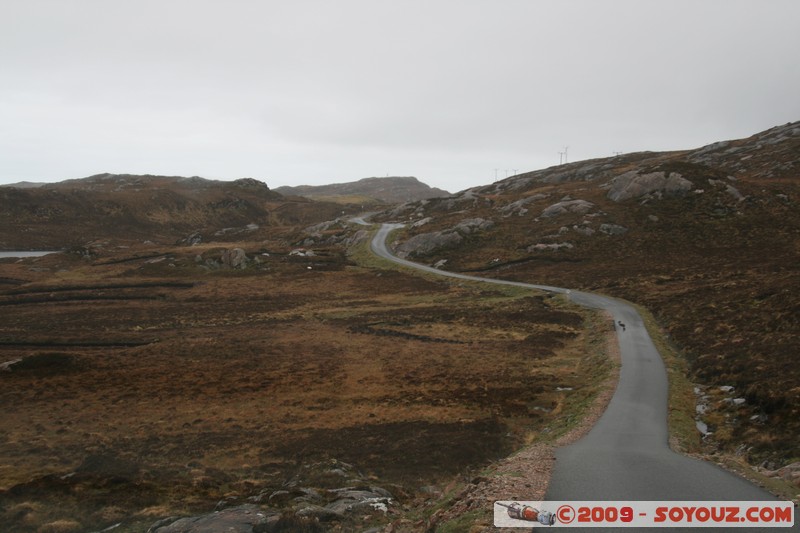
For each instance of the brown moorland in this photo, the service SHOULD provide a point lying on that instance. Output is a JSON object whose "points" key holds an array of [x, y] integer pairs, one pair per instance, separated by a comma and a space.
{"points": [[145, 384], [148, 380]]}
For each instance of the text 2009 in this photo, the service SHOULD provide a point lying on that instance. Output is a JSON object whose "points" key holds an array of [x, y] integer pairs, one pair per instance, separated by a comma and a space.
{"points": [[604, 514]]}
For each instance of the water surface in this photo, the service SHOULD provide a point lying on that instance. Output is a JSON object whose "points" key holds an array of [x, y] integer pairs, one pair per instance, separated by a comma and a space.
{"points": [[36, 253]]}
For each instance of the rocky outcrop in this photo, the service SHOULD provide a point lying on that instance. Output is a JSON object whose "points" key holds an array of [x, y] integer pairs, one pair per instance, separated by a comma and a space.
{"points": [[229, 258], [613, 229], [302, 509], [730, 189], [634, 185], [357, 238], [335, 233], [234, 258], [8, 366], [229, 232], [790, 473], [584, 230], [519, 207], [349, 500], [421, 222], [464, 199], [192, 239], [318, 229], [242, 519], [473, 224], [580, 207], [427, 243], [551, 247]]}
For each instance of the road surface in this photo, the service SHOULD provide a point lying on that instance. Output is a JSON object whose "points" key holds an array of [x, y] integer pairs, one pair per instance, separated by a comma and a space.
{"points": [[626, 456]]}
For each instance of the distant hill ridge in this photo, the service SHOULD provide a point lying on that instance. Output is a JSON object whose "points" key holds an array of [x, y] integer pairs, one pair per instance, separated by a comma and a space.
{"points": [[119, 181], [389, 190], [146, 207]]}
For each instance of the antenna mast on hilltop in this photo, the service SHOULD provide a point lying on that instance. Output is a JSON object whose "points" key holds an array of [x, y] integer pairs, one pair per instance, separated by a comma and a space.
{"points": [[562, 156]]}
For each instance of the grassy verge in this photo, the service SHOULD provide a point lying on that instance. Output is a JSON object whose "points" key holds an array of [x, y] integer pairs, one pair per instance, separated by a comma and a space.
{"points": [[598, 368], [362, 255], [684, 437]]}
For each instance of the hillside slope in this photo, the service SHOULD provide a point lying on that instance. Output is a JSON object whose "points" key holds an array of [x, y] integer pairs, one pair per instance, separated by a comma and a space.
{"points": [[390, 190], [157, 208], [707, 239]]}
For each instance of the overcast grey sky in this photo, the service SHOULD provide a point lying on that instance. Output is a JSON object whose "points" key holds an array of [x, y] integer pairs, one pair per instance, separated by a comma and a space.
{"points": [[309, 92]]}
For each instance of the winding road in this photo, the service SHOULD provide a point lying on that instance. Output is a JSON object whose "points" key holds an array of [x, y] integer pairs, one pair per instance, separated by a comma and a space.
{"points": [[625, 457]]}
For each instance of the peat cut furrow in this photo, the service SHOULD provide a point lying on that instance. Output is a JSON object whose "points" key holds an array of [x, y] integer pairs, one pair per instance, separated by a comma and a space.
{"points": [[126, 343], [64, 298], [101, 286]]}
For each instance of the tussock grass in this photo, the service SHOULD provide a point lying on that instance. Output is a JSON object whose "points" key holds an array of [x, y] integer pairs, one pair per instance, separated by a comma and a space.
{"points": [[596, 369]]}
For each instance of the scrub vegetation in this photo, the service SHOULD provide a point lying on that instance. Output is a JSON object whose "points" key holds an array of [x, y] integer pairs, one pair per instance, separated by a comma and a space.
{"points": [[144, 390]]}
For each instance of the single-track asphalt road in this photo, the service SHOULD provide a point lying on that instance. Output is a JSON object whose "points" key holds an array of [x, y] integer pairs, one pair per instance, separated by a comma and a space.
{"points": [[626, 456]]}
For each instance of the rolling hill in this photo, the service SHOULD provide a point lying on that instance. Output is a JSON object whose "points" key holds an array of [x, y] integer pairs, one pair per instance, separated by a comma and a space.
{"points": [[707, 239], [389, 190], [153, 208]]}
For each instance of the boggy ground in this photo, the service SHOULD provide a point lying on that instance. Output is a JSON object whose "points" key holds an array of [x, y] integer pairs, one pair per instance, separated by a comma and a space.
{"points": [[151, 385]]}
